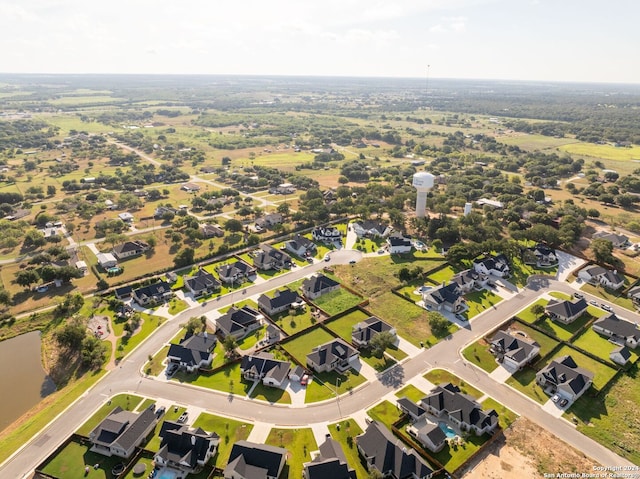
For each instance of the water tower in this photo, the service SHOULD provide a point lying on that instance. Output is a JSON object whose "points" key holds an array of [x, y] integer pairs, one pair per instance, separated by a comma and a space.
{"points": [[422, 182]]}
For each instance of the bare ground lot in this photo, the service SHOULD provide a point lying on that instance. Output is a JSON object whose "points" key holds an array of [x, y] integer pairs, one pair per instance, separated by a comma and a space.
{"points": [[527, 451]]}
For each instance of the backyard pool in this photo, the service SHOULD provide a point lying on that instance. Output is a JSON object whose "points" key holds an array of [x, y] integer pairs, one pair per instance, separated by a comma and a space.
{"points": [[447, 430], [167, 474]]}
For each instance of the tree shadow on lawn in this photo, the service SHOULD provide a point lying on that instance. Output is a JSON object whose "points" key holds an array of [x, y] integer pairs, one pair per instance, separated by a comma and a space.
{"points": [[394, 377], [587, 407]]}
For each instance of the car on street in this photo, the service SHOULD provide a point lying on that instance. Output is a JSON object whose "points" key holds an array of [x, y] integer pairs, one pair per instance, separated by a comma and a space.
{"points": [[593, 302], [327, 257], [578, 295], [606, 307]]}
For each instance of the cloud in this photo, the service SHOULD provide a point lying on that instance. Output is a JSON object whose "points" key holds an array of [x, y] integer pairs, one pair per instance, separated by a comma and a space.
{"points": [[450, 25]]}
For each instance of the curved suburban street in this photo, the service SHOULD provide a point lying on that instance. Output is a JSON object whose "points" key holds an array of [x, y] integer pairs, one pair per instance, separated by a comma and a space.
{"points": [[126, 377]]}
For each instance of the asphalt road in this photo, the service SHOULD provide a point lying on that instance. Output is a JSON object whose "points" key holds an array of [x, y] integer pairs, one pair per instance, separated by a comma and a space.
{"points": [[446, 354]]}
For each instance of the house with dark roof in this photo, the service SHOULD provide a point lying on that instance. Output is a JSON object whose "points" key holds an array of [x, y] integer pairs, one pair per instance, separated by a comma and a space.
{"points": [[493, 265], [190, 187], [124, 292], [565, 311], [301, 246], [202, 283], [618, 330], [446, 297], [211, 231], [263, 366], [239, 322], [183, 449], [363, 332], [513, 351], [153, 294], [129, 249], [383, 452], [235, 273], [282, 300], [267, 221], [634, 295], [605, 277], [336, 355], [160, 211], [410, 408], [398, 244], [371, 229], [446, 401], [620, 355], [563, 377], [329, 462], [122, 431], [317, 285], [328, 234], [249, 460], [428, 433], [540, 255], [469, 280], [618, 241], [268, 257], [193, 352]]}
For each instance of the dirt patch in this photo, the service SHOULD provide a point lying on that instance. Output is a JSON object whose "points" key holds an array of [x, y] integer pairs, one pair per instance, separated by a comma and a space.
{"points": [[527, 450], [99, 326]]}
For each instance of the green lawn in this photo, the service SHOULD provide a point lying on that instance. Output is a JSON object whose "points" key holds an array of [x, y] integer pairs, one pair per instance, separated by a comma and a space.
{"points": [[302, 345], [385, 413], [172, 414], [337, 301], [227, 379], [615, 297], [452, 457], [128, 402], [564, 331], [379, 364], [270, 394], [546, 343], [70, 463], [252, 338], [478, 353], [598, 345], [505, 416], [439, 376], [560, 296], [323, 386], [344, 325], [525, 382], [127, 344], [176, 306], [299, 442], [479, 301], [411, 392], [239, 304], [349, 429], [156, 366], [147, 461], [292, 321], [229, 430], [603, 373], [443, 275], [409, 291], [526, 314], [520, 272], [145, 404]]}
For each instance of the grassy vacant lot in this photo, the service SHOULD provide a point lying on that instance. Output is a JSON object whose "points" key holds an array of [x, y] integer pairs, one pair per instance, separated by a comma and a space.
{"points": [[478, 353], [606, 152], [239, 304], [611, 419], [505, 416], [227, 379], [270, 394], [603, 373], [337, 301], [292, 321], [479, 301], [411, 392], [344, 325], [177, 305], [299, 442], [385, 413], [128, 402], [614, 297], [379, 364], [349, 429], [71, 461], [323, 386], [525, 382], [443, 275], [229, 431], [126, 344], [439, 376], [302, 345], [564, 331], [598, 345]]}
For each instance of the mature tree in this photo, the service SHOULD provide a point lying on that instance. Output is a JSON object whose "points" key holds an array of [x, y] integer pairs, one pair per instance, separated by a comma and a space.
{"points": [[51, 190], [27, 277], [380, 342], [5, 297], [71, 334], [230, 344], [185, 257], [602, 250], [94, 352], [284, 209], [195, 325], [234, 226], [438, 323], [537, 310], [34, 238]]}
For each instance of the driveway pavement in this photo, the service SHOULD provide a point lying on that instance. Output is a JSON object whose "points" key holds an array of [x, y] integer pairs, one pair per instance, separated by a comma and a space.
{"points": [[566, 264], [500, 374]]}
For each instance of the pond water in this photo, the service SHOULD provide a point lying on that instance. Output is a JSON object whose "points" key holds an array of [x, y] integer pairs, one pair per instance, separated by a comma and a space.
{"points": [[23, 380]]}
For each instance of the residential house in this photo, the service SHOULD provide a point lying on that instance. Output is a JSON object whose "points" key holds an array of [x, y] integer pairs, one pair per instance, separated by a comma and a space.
{"points": [[153, 294], [202, 283], [411, 409], [489, 202], [619, 330], [193, 352], [82, 267], [190, 187], [249, 460], [513, 351], [446, 297], [364, 331], [185, 450], [563, 377], [239, 322], [301, 246], [268, 257], [124, 292], [129, 249], [448, 402], [620, 355], [470, 279], [371, 229], [634, 295], [106, 260], [383, 452], [328, 234], [618, 241], [236, 272], [126, 217], [211, 231], [51, 231], [428, 433], [160, 211], [329, 462], [332, 356], [272, 333], [282, 300], [122, 431], [267, 221], [540, 255], [606, 277], [317, 285], [263, 366], [493, 265], [398, 244], [565, 311]]}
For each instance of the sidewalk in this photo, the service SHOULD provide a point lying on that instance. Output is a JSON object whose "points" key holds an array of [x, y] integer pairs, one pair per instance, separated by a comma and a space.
{"points": [[260, 432]]}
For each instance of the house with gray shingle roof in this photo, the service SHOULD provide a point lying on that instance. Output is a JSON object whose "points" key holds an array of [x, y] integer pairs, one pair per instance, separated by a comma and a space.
{"points": [[512, 350], [331, 356], [122, 431], [428, 433], [317, 285], [193, 352], [236, 272], [263, 366], [329, 462], [249, 460], [619, 330], [565, 311], [597, 274], [564, 377], [620, 355], [202, 283], [184, 449], [282, 300], [268, 257], [364, 331], [448, 297], [239, 322], [301, 246]]}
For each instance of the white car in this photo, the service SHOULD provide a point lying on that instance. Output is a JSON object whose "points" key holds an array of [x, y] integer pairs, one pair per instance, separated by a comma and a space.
{"points": [[555, 398]]}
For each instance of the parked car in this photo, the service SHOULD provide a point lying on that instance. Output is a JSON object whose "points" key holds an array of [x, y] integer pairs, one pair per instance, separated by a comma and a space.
{"points": [[183, 417], [564, 402], [304, 379], [555, 398], [593, 302], [578, 295], [606, 307], [353, 261]]}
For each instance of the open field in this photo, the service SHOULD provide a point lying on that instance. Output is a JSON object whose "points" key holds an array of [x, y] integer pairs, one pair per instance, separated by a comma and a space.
{"points": [[337, 301], [605, 152], [302, 345], [299, 443]]}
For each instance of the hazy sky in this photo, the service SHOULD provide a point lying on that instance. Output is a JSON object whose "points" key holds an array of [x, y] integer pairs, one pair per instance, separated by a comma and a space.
{"points": [[567, 40]]}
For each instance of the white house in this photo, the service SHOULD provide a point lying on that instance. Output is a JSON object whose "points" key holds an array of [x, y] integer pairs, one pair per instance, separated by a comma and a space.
{"points": [[513, 351], [606, 277], [619, 330], [327, 234], [106, 260], [493, 265], [563, 377], [399, 244]]}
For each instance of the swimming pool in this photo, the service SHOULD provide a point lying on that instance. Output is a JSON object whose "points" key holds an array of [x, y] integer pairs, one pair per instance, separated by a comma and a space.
{"points": [[167, 474], [447, 430]]}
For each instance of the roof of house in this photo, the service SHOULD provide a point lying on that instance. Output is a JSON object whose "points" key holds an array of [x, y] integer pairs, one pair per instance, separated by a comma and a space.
{"points": [[105, 258], [566, 375], [193, 349], [514, 347], [566, 308], [252, 460], [124, 291], [432, 430], [327, 231], [263, 364], [183, 445], [616, 239], [156, 289], [327, 353], [466, 277], [235, 268], [411, 407], [387, 453], [542, 249], [634, 292], [497, 263], [237, 319], [130, 246], [201, 281], [299, 241], [398, 241], [622, 351], [619, 327], [371, 226], [447, 397], [365, 330], [318, 282], [283, 297], [268, 253], [123, 429], [449, 293], [612, 276], [330, 463]]}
